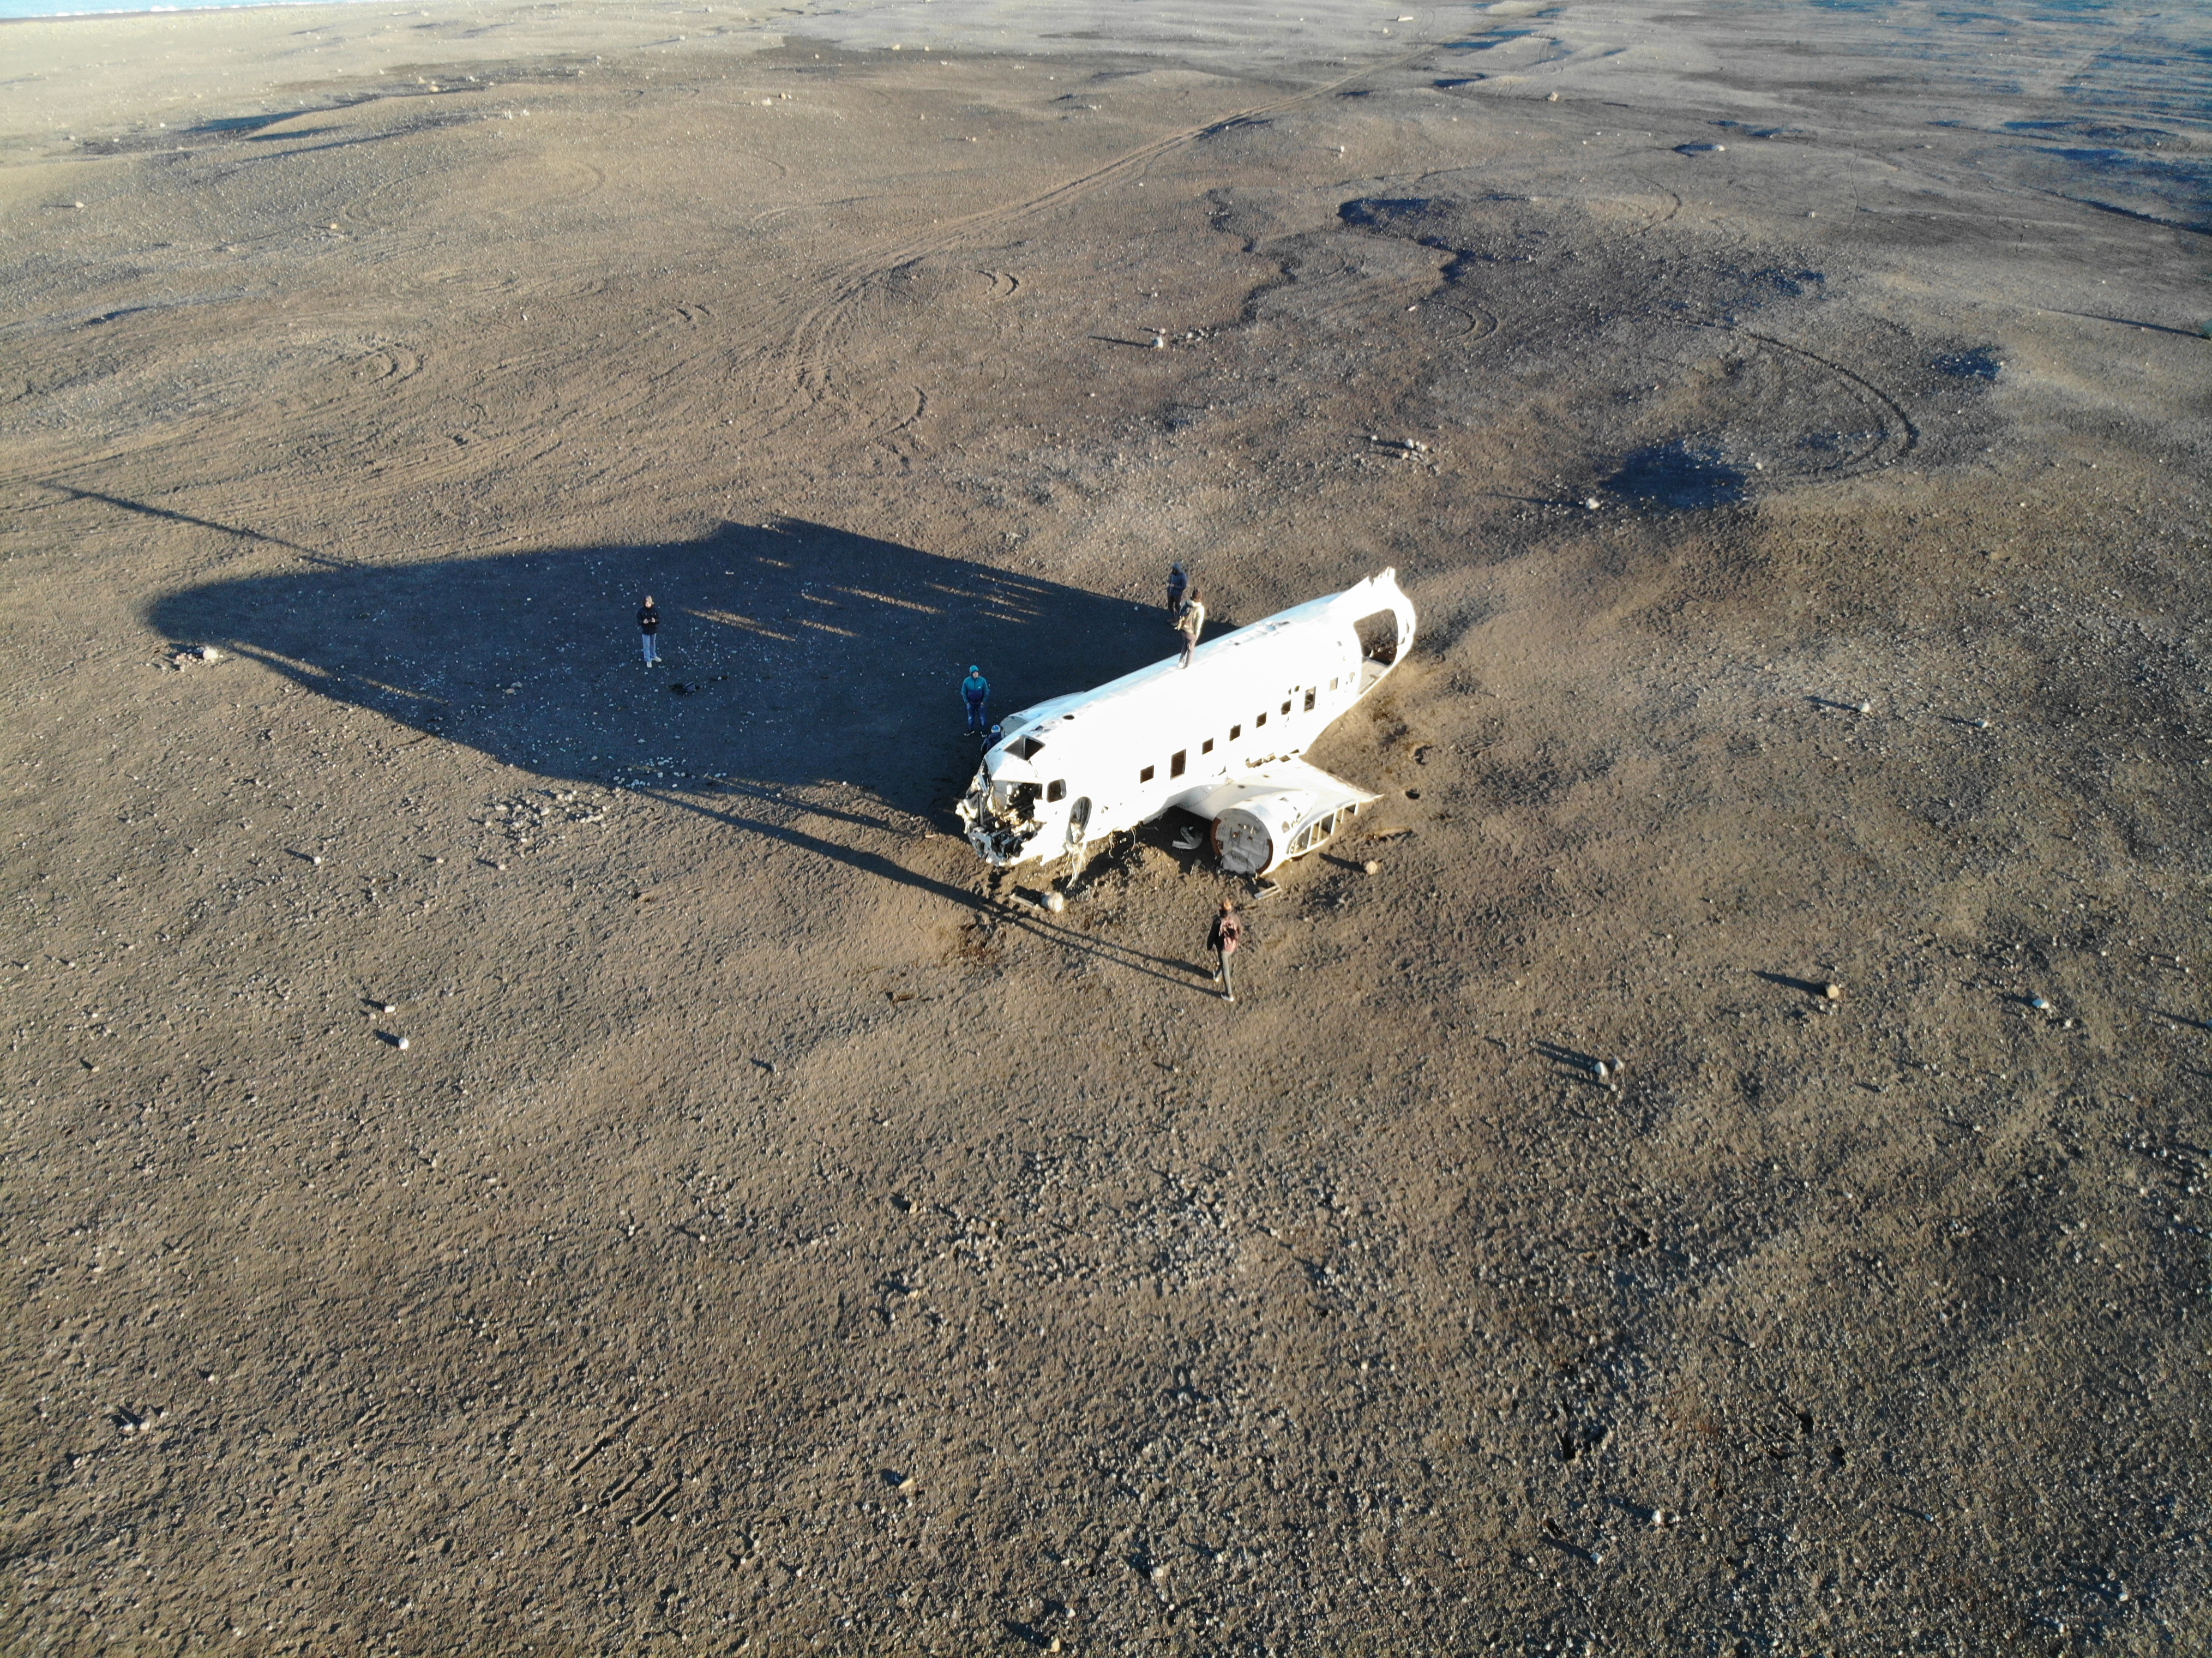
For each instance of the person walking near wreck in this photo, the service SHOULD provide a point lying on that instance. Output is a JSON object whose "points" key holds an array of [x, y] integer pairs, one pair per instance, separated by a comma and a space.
{"points": [[1178, 585], [648, 624], [1228, 932], [1190, 625], [977, 690]]}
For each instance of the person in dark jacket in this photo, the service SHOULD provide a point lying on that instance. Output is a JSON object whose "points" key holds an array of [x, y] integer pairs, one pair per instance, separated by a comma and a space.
{"points": [[1228, 933], [977, 690], [648, 624], [1178, 585]]}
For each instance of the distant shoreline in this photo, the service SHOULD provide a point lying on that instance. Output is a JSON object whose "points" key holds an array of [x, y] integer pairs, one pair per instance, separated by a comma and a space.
{"points": [[9, 15]]}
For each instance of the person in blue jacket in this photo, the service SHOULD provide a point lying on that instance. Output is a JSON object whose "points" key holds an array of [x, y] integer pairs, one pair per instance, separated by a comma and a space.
{"points": [[977, 690]]}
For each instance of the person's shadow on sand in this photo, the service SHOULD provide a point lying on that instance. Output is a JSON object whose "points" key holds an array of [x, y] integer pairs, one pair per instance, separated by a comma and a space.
{"points": [[792, 654]]}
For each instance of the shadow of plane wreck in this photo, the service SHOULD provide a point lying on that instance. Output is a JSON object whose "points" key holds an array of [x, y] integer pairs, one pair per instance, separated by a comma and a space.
{"points": [[792, 653]]}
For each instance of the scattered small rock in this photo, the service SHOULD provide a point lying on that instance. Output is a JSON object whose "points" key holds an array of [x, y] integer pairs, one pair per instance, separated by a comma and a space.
{"points": [[1591, 504], [1372, 867], [403, 1044], [1834, 993], [1056, 903], [1866, 708], [2039, 1003]]}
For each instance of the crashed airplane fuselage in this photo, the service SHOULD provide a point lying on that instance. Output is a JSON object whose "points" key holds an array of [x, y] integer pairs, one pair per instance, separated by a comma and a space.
{"points": [[1221, 738]]}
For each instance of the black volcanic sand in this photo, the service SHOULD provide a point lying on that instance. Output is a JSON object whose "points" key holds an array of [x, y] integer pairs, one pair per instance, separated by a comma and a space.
{"points": [[777, 1236]]}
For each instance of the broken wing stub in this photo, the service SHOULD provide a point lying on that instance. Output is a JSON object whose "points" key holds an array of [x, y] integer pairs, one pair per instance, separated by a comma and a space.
{"points": [[1269, 818]]}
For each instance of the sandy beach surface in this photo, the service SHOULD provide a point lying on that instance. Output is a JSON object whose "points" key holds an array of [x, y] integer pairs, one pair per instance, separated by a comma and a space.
{"points": [[510, 1150]]}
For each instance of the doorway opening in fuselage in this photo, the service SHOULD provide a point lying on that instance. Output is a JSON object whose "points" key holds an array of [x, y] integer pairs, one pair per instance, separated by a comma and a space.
{"points": [[1378, 644]]}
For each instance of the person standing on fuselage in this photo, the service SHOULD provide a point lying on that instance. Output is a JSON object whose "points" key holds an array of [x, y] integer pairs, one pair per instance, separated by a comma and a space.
{"points": [[648, 624], [1190, 625], [977, 690]]}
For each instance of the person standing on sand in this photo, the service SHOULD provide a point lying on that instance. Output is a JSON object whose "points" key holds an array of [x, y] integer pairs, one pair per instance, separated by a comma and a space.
{"points": [[1228, 933], [648, 624], [1178, 585], [977, 690], [1190, 625]]}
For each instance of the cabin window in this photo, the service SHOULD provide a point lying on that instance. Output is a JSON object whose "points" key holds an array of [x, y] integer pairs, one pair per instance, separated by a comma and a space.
{"points": [[1236, 732], [1286, 705], [1146, 775], [1175, 767], [1260, 720], [1332, 684], [1324, 827], [1206, 747], [1310, 699], [1057, 790]]}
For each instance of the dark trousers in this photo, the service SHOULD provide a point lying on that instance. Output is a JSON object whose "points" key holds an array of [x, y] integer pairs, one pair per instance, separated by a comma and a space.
{"points": [[975, 720]]}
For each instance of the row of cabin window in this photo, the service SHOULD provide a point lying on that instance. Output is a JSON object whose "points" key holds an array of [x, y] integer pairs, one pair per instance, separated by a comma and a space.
{"points": [[1175, 761]]}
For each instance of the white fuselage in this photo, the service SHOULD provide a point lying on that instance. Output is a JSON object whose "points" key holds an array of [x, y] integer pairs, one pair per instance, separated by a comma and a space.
{"points": [[1078, 769]]}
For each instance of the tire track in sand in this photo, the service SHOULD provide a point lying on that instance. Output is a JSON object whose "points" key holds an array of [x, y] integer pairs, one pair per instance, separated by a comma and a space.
{"points": [[807, 358]]}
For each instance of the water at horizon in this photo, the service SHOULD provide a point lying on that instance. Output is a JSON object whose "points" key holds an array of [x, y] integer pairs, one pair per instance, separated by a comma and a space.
{"points": [[24, 10]]}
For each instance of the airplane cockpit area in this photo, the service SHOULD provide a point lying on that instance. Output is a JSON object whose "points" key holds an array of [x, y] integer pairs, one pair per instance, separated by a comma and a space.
{"points": [[1008, 801], [1001, 819]]}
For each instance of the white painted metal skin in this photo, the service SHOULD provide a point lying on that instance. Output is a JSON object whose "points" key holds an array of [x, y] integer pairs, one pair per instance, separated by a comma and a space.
{"points": [[1219, 739]]}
